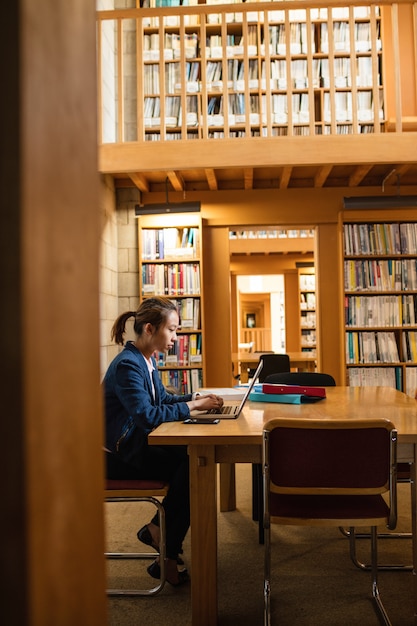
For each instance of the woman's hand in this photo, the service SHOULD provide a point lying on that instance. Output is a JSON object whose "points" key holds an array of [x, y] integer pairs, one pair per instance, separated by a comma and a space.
{"points": [[203, 403]]}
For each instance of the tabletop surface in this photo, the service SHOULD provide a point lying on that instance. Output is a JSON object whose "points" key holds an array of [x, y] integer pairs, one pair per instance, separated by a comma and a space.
{"points": [[340, 403]]}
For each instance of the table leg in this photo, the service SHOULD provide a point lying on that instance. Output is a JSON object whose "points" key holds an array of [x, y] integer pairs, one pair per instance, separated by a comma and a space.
{"points": [[227, 487], [203, 535]]}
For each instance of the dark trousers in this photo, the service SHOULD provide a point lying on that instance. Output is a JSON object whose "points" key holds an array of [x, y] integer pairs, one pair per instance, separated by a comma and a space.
{"points": [[169, 463]]}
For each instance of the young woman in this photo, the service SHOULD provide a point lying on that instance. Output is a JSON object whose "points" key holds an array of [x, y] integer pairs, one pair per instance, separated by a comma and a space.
{"points": [[136, 402]]}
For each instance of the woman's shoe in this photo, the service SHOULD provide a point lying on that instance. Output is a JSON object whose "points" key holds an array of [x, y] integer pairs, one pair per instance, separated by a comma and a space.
{"points": [[154, 570], [145, 537]]}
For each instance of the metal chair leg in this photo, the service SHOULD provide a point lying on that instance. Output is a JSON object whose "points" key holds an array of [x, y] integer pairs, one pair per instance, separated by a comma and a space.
{"points": [[391, 535], [374, 571], [267, 576], [368, 566], [143, 555]]}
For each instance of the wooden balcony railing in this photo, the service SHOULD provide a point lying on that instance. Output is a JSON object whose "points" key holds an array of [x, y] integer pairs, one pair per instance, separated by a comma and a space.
{"points": [[258, 69]]}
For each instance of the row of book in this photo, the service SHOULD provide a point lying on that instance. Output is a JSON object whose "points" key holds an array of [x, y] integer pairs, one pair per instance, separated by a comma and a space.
{"points": [[169, 243], [275, 43], [384, 377], [375, 377], [170, 279], [341, 37], [300, 109], [185, 351], [276, 69], [308, 338], [385, 238], [308, 319], [407, 311], [188, 312], [380, 275], [371, 347], [182, 381], [272, 233], [374, 311], [307, 300], [278, 129], [307, 282]]}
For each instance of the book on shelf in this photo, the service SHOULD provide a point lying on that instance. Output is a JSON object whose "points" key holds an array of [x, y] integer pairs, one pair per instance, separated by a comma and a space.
{"points": [[188, 312], [371, 347], [186, 351], [170, 279], [372, 311], [182, 381], [375, 377], [169, 243]]}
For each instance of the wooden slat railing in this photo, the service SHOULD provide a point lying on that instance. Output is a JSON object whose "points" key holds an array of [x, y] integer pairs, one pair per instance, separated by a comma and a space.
{"points": [[123, 71]]}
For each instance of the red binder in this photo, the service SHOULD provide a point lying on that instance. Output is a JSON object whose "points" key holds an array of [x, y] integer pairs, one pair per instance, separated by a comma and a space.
{"points": [[306, 390]]}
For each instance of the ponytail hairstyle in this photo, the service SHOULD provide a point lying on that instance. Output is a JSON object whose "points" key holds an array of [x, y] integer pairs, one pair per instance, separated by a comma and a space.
{"points": [[151, 311]]}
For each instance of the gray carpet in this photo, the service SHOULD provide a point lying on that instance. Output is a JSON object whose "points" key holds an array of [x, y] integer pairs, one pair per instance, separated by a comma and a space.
{"points": [[313, 580]]}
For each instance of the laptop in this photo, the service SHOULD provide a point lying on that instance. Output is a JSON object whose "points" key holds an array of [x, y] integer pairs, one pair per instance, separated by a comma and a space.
{"points": [[228, 410]]}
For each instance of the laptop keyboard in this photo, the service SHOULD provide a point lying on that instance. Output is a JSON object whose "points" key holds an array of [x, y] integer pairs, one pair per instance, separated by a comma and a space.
{"points": [[225, 410]]}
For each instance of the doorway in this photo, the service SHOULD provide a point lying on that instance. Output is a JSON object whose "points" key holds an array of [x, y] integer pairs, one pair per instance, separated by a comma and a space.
{"points": [[266, 267], [261, 312]]}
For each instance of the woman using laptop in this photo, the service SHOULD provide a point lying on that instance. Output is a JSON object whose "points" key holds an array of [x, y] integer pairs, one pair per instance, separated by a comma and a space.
{"points": [[136, 402]]}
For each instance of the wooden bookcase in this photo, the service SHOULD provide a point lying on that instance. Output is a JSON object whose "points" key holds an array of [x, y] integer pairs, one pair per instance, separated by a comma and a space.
{"points": [[307, 299], [380, 302], [170, 266], [245, 72]]}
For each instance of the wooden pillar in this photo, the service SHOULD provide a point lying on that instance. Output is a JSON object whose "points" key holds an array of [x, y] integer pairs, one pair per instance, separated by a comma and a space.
{"points": [[217, 321], [52, 564], [329, 286]]}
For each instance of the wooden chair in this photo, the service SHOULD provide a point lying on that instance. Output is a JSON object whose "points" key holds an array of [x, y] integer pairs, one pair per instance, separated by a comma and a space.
{"points": [[139, 491], [273, 364], [320, 472]]}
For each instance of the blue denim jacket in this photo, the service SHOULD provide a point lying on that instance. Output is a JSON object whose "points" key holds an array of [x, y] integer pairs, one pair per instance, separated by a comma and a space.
{"points": [[131, 411]]}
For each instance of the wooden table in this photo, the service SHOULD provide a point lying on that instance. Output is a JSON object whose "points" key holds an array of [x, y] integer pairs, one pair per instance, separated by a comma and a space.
{"points": [[304, 361], [240, 440]]}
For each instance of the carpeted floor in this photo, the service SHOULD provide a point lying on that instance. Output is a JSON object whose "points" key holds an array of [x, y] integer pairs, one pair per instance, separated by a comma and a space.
{"points": [[313, 580]]}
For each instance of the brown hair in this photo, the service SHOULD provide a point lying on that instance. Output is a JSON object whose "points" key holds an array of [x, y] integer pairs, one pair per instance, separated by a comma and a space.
{"points": [[151, 311]]}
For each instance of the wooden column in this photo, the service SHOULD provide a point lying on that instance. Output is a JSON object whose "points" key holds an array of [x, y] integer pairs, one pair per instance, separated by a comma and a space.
{"points": [[52, 564]]}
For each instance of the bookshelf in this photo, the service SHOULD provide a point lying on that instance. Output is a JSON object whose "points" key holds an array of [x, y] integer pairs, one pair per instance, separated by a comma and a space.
{"points": [[380, 303], [307, 299], [258, 73], [170, 266]]}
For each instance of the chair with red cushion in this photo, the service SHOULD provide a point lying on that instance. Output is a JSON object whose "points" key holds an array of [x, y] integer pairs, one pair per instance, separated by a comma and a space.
{"points": [[139, 491], [329, 473]]}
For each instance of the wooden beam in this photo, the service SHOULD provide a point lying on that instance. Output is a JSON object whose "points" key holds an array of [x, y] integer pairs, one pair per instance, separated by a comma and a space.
{"points": [[176, 180], [285, 177], [140, 181], [358, 175], [322, 175], [248, 177], [211, 179]]}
